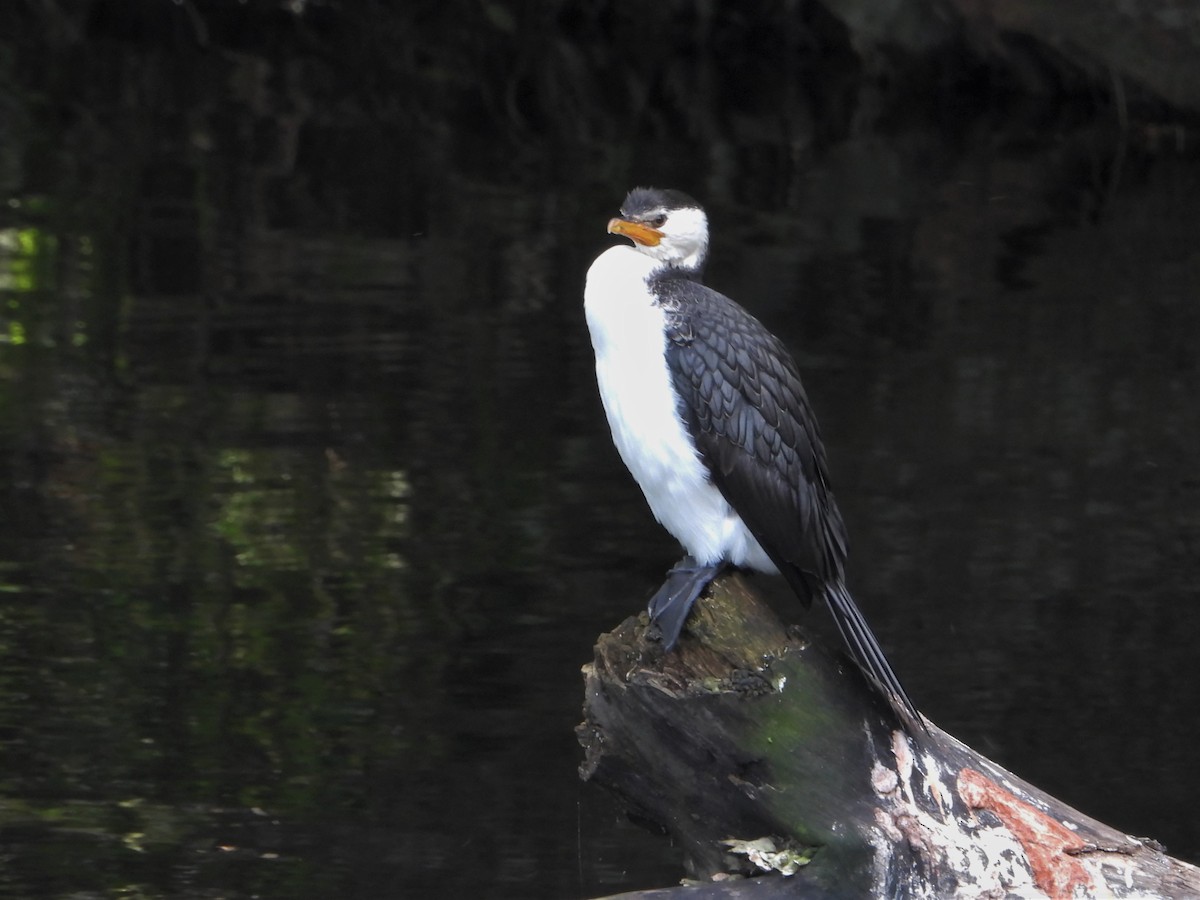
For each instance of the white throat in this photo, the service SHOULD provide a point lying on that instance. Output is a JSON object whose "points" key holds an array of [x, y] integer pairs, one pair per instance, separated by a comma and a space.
{"points": [[628, 331], [685, 240]]}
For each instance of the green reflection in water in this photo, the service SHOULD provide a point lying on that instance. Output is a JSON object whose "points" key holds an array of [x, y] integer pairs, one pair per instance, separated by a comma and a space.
{"points": [[20, 250], [267, 500], [206, 614]]}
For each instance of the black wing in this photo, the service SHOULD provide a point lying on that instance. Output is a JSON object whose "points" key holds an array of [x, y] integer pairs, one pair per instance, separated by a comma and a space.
{"points": [[744, 406]]}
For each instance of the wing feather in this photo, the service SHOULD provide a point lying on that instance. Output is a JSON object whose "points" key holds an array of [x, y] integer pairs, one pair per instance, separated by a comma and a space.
{"points": [[742, 401], [747, 411]]}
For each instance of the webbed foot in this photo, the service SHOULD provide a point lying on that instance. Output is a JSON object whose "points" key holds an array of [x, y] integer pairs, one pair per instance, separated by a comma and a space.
{"points": [[671, 603]]}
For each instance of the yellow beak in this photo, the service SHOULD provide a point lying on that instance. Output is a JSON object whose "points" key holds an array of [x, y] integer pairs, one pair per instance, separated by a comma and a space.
{"points": [[636, 232]]}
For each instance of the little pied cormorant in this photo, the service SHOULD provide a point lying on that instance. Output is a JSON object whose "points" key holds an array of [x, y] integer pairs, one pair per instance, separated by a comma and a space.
{"points": [[708, 413]]}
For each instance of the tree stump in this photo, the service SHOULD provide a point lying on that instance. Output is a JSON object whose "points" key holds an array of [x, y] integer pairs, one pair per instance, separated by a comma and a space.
{"points": [[759, 751]]}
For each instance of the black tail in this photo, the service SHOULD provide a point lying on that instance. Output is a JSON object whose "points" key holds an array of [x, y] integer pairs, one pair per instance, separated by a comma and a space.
{"points": [[867, 653]]}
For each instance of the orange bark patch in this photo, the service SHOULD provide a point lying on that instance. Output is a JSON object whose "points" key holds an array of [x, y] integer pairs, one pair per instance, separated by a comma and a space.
{"points": [[1044, 840]]}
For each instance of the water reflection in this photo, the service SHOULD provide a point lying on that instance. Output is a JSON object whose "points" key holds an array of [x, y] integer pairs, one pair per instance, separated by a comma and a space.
{"points": [[310, 515]]}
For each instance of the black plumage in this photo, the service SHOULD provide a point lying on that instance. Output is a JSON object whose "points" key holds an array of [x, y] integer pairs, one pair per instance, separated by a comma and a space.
{"points": [[742, 401], [741, 398]]}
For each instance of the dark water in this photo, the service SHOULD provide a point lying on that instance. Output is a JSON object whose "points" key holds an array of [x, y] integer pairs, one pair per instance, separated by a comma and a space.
{"points": [[310, 516]]}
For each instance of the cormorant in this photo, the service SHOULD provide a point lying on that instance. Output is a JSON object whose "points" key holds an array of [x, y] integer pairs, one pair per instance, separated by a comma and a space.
{"points": [[708, 412]]}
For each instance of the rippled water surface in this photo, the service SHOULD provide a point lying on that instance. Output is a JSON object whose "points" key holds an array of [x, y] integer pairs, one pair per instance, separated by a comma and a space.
{"points": [[310, 516]]}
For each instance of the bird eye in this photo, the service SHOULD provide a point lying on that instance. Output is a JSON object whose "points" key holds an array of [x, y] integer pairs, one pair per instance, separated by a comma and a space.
{"points": [[659, 221]]}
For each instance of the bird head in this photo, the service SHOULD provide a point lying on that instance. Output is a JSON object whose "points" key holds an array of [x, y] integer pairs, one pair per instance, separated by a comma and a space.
{"points": [[665, 225]]}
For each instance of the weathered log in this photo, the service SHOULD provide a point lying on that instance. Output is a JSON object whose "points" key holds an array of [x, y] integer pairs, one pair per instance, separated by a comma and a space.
{"points": [[760, 751]]}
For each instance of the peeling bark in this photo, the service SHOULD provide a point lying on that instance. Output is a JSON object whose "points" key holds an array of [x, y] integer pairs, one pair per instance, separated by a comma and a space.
{"points": [[758, 750]]}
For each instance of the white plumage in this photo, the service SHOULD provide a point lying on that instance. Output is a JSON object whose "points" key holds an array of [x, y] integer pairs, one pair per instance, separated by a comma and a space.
{"points": [[628, 330]]}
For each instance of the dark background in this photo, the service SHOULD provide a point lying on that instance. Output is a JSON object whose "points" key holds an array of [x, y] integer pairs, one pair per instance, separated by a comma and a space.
{"points": [[308, 511]]}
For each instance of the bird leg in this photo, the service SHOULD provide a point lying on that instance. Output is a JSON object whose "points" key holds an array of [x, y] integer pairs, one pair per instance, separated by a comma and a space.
{"points": [[670, 605]]}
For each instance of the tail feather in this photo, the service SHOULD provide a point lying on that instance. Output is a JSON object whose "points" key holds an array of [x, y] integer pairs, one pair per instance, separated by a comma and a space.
{"points": [[865, 649]]}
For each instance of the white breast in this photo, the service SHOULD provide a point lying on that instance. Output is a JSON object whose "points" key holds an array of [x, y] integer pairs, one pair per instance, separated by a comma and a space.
{"points": [[629, 338]]}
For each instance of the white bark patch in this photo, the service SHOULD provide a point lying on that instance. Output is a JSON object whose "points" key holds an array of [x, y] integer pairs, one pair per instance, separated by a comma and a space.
{"points": [[986, 859], [995, 841], [771, 855]]}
